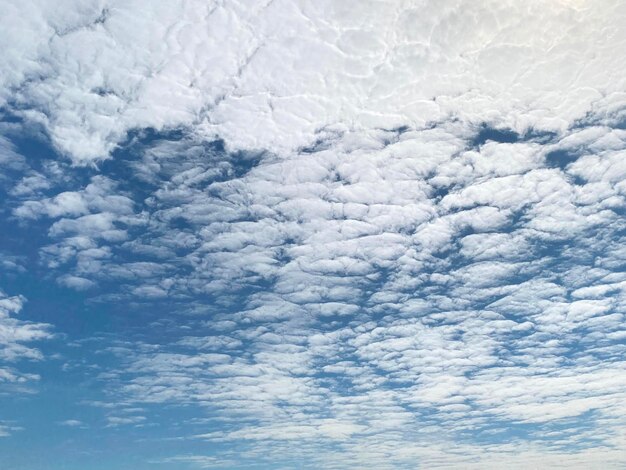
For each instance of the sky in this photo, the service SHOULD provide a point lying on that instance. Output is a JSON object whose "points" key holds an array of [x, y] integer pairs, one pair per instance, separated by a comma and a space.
{"points": [[312, 234]]}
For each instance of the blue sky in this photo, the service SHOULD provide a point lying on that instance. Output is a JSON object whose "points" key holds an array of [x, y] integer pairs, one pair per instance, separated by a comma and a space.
{"points": [[276, 235]]}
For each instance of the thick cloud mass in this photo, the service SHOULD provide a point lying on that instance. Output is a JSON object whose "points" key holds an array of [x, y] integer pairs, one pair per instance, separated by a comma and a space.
{"points": [[277, 75], [348, 234]]}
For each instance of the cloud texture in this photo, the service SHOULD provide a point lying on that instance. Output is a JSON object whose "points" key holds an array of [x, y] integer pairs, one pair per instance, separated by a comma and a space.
{"points": [[363, 234], [277, 75]]}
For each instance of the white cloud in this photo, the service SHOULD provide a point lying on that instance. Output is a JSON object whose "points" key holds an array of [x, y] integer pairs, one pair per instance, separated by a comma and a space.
{"points": [[72, 423], [389, 311], [358, 293], [197, 461], [295, 68], [14, 332]]}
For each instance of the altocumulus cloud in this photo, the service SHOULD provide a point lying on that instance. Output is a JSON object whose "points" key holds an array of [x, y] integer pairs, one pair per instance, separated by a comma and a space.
{"points": [[15, 336], [343, 234]]}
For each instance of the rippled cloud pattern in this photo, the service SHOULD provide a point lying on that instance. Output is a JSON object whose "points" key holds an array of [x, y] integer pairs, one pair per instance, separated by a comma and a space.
{"points": [[312, 234]]}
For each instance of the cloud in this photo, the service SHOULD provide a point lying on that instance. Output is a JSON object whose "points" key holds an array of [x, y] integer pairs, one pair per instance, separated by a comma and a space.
{"points": [[375, 235], [14, 332], [197, 461], [72, 423], [7, 430], [76, 282], [297, 70], [369, 296]]}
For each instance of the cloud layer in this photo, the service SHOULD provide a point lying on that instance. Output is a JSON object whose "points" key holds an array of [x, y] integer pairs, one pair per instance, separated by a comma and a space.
{"points": [[278, 75], [373, 234], [370, 295]]}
